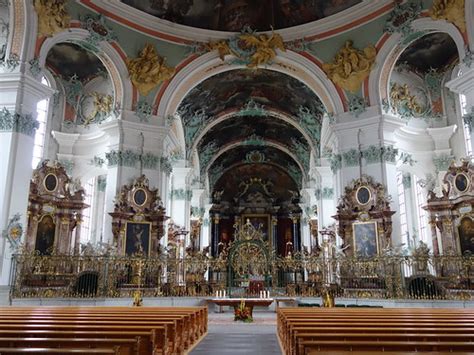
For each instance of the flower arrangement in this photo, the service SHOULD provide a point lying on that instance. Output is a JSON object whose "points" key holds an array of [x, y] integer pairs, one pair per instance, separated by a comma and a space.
{"points": [[243, 313]]}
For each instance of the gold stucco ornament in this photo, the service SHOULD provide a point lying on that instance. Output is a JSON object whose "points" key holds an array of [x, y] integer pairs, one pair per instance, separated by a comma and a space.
{"points": [[148, 70], [351, 66], [403, 101], [52, 16], [451, 11], [102, 106], [249, 48]]}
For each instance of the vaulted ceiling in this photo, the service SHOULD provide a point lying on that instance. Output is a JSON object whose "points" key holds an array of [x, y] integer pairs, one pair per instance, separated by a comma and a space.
{"points": [[237, 113]]}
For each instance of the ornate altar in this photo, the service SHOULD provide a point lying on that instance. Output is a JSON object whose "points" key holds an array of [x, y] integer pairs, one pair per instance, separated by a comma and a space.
{"points": [[55, 207], [365, 218], [452, 215], [249, 259], [137, 220]]}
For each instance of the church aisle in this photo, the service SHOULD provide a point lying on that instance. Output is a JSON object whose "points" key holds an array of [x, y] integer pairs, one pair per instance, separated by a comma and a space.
{"points": [[227, 337]]}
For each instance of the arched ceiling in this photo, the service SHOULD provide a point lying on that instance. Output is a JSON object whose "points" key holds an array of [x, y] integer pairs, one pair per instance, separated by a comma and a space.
{"points": [[281, 186], [233, 15], [253, 155], [262, 110], [260, 131]]}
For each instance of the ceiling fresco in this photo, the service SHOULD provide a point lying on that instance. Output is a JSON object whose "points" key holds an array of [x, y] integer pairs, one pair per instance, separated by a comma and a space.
{"points": [[234, 88], [435, 50], [283, 186], [253, 131], [250, 92], [238, 129], [251, 155], [67, 59], [233, 15]]}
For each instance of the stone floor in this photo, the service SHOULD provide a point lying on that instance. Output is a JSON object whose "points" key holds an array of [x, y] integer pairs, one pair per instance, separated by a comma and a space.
{"points": [[227, 337]]}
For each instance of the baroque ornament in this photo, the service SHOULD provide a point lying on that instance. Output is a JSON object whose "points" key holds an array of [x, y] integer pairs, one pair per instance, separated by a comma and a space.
{"points": [[13, 232], [404, 103], [449, 10], [15, 122], [101, 106], [351, 66], [52, 16], [250, 49], [402, 16], [98, 32], [148, 70]]}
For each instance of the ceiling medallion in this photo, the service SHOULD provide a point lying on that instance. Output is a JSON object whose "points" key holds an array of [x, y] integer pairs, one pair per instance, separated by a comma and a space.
{"points": [[255, 157]]}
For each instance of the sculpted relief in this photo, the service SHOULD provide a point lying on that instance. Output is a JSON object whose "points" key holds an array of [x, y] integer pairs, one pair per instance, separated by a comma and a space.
{"points": [[52, 16], [351, 66], [148, 70]]}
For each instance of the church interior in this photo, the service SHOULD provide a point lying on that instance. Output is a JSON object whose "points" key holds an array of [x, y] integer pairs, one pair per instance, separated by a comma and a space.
{"points": [[167, 166]]}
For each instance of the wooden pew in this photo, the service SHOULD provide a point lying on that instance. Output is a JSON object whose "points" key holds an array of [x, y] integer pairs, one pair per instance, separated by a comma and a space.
{"points": [[163, 329], [6, 351], [302, 331]]}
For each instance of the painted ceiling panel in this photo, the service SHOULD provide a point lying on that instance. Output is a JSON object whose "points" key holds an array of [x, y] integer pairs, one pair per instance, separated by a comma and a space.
{"points": [[282, 184], [232, 89], [67, 59], [434, 50], [252, 154], [233, 15]]}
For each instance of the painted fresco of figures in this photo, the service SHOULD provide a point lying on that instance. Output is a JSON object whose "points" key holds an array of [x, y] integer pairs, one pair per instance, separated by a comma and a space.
{"points": [[466, 236], [45, 236]]}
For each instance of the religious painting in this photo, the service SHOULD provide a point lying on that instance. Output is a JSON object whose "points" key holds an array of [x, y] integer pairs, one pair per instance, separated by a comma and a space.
{"points": [[466, 236], [363, 195], [139, 197], [50, 182], [365, 239], [137, 238], [45, 235], [461, 182], [259, 221]]}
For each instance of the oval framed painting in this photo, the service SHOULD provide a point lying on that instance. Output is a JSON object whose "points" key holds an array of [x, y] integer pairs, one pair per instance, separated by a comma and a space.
{"points": [[461, 182], [50, 182], [363, 195], [140, 197]]}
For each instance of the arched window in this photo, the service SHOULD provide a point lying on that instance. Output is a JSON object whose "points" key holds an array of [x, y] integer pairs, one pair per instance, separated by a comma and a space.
{"points": [[41, 117], [467, 129], [89, 199], [402, 208]]}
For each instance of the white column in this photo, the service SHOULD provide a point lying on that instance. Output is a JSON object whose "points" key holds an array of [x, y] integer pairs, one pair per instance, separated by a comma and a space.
{"points": [[181, 196], [19, 95]]}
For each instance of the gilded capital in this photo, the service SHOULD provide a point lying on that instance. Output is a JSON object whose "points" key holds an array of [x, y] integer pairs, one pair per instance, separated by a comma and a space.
{"points": [[351, 66], [148, 70]]}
